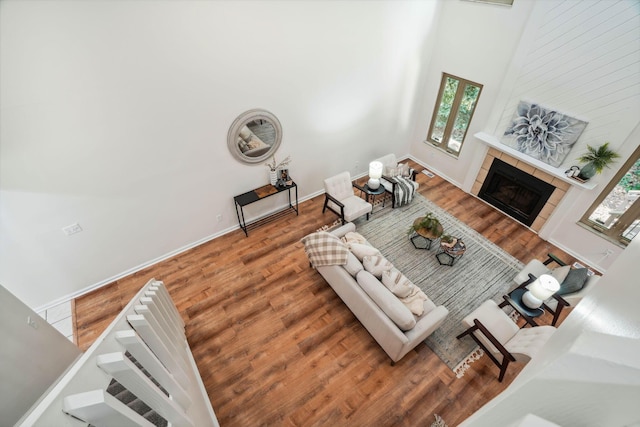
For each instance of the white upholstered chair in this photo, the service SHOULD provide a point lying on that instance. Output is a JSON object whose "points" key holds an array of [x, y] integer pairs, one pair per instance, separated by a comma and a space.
{"points": [[341, 199], [390, 163], [557, 302], [501, 338]]}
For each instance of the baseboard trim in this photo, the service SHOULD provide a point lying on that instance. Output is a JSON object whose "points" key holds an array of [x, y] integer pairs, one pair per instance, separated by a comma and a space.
{"points": [[132, 270]]}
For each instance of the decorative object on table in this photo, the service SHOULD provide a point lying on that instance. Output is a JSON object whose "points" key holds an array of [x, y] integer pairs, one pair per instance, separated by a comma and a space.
{"points": [[542, 133], [539, 290], [273, 166], [425, 231], [428, 225], [572, 172], [596, 160], [451, 249], [375, 173]]}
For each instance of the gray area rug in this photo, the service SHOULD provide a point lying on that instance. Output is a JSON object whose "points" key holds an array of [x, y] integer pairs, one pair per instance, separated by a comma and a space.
{"points": [[484, 272]]}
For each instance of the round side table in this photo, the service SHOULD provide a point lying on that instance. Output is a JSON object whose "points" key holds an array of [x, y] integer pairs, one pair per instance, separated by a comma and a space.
{"points": [[450, 252]]}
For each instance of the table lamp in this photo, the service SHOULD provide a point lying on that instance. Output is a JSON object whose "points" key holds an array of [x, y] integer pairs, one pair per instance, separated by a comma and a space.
{"points": [[541, 289], [375, 173]]}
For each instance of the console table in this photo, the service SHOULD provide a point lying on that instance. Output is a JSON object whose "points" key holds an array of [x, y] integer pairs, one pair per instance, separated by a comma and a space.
{"points": [[262, 193]]}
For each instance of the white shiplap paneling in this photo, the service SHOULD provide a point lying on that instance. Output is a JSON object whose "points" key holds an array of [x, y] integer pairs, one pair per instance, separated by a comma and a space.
{"points": [[584, 60]]}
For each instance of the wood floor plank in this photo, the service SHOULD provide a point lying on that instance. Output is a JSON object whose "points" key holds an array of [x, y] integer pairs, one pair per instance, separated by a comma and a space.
{"points": [[276, 346]]}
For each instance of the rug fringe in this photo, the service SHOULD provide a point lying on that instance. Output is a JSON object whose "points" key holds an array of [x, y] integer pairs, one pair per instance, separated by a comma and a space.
{"points": [[439, 422], [466, 363]]}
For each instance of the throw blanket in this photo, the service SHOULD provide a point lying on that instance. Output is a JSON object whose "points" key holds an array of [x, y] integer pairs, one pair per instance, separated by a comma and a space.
{"points": [[404, 189], [324, 248]]}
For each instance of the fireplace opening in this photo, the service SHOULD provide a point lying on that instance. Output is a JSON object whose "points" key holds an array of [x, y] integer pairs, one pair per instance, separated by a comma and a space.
{"points": [[515, 192]]}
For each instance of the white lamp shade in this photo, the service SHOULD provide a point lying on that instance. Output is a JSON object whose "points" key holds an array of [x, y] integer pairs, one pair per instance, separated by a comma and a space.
{"points": [[541, 289], [375, 173], [375, 170]]}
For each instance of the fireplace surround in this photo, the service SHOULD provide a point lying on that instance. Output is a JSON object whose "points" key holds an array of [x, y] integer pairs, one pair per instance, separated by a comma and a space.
{"points": [[515, 192], [560, 185]]}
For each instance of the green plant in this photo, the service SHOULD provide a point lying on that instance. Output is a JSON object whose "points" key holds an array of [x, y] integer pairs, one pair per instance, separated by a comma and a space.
{"points": [[447, 238], [428, 222], [600, 157]]}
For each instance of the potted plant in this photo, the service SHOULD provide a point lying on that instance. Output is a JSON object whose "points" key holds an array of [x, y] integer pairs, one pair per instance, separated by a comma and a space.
{"points": [[427, 225], [596, 160]]}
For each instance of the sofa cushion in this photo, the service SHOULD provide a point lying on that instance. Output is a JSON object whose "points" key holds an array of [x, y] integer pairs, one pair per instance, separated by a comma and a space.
{"points": [[397, 312], [376, 265], [397, 283], [574, 281], [361, 250], [353, 265]]}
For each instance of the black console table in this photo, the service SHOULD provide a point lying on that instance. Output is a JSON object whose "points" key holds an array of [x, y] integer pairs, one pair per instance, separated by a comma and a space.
{"points": [[262, 193]]}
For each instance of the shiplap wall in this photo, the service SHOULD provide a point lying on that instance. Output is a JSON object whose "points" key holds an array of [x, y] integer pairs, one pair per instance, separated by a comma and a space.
{"points": [[584, 61]]}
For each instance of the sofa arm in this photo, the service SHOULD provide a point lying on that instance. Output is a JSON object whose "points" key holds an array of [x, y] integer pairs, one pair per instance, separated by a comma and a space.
{"points": [[427, 324], [344, 229]]}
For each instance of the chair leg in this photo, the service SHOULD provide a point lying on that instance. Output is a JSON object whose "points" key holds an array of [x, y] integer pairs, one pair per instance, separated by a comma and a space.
{"points": [[503, 369]]}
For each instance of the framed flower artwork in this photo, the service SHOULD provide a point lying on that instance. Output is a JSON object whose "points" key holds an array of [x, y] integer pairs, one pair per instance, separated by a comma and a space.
{"points": [[542, 133]]}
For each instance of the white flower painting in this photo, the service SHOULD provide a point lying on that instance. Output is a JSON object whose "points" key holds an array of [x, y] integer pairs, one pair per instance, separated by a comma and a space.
{"points": [[542, 133]]}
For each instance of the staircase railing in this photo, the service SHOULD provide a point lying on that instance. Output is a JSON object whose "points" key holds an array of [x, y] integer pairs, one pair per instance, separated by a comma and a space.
{"points": [[139, 372]]}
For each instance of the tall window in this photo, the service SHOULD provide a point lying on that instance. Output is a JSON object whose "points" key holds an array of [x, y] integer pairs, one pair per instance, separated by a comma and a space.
{"points": [[616, 212], [454, 108]]}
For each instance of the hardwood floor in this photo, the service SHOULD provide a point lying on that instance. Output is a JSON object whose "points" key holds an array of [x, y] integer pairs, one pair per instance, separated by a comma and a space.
{"points": [[276, 346]]}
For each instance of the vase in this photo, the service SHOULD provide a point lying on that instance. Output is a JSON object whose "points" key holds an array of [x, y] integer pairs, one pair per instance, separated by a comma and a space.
{"points": [[587, 171], [273, 177]]}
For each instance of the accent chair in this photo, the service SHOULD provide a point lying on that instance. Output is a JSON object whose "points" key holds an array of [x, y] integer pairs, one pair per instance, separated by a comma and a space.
{"points": [[574, 283], [399, 181], [501, 338], [341, 199]]}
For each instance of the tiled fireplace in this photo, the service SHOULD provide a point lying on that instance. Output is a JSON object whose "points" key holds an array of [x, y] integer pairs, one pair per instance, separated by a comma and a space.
{"points": [[552, 190]]}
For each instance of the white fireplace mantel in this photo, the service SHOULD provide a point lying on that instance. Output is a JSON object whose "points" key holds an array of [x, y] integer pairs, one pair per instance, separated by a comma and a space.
{"points": [[493, 142]]}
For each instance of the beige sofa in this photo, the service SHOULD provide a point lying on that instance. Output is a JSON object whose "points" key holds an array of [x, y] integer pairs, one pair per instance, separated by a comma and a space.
{"points": [[375, 306]]}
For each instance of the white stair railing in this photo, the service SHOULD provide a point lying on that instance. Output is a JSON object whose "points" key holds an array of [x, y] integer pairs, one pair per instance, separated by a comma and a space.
{"points": [[139, 372]]}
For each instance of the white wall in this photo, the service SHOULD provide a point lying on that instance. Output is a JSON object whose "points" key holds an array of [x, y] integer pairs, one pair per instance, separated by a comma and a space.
{"points": [[475, 41], [581, 58], [33, 355], [115, 115]]}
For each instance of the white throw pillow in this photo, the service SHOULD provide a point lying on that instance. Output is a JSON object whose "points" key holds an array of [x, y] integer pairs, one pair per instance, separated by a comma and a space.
{"points": [[361, 250], [397, 283], [354, 237], [415, 301], [376, 265]]}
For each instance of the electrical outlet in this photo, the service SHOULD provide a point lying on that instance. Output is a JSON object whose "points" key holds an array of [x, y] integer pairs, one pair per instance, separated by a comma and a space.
{"points": [[608, 252], [72, 229], [219, 217], [357, 165]]}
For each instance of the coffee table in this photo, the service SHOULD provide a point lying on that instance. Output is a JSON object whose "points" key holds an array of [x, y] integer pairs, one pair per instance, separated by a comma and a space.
{"points": [[450, 252], [423, 238]]}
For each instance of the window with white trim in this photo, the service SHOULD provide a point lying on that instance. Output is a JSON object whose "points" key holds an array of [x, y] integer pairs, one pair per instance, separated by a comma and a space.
{"points": [[616, 212]]}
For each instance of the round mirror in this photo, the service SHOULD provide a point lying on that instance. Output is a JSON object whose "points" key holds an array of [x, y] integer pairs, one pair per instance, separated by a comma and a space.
{"points": [[254, 136]]}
